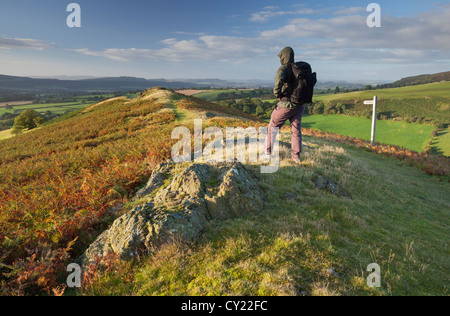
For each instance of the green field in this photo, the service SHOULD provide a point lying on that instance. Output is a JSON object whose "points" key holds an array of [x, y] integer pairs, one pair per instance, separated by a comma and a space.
{"points": [[76, 103], [411, 136], [57, 108], [423, 103], [212, 95], [5, 134], [439, 89], [441, 143], [56, 104]]}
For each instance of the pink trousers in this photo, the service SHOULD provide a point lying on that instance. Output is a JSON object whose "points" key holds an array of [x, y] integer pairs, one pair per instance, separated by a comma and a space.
{"points": [[279, 117]]}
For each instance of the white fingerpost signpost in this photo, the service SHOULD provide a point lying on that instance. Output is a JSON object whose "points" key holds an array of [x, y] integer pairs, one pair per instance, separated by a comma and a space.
{"points": [[374, 117]]}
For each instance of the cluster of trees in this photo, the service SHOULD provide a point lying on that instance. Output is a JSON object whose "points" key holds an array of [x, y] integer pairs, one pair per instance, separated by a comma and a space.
{"points": [[27, 120], [7, 121], [322, 108], [263, 109], [256, 107], [239, 94], [338, 90]]}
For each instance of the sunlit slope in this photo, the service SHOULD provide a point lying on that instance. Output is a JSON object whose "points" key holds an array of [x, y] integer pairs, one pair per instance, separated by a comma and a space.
{"points": [[58, 182], [429, 101], [308, 241]]}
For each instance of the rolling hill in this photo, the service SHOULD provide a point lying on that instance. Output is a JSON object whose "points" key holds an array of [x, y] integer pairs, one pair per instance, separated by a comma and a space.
{"points": [[422, 79], [11, 84], [428, 102], [63, 184]]}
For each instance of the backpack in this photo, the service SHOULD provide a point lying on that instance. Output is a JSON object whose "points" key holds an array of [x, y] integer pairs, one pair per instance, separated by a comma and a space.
{"points": [[305, 80]]}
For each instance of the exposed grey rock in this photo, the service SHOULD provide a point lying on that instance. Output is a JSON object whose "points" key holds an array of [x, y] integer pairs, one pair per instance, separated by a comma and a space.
{"points": [[237, 194], [180, 199], [125, 237], [326, 184], [156, 179]]}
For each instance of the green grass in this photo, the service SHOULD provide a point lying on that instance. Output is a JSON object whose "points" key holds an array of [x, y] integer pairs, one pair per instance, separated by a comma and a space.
{"points": [[411, 136], [5, 134], [428, 102], [440, 89], [209, 95], [316, 243], [212, 95], [61, 107], [57, 108], [441, 143]]}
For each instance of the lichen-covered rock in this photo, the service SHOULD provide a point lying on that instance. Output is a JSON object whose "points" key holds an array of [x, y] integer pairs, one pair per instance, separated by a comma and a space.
{"points": [[237, 193], [156, 180], [125, 237], [179, 202], [186, 185]]}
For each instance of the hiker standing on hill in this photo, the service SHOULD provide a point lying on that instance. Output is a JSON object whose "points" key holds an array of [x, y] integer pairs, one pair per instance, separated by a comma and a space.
{"points": [[294, 87]]}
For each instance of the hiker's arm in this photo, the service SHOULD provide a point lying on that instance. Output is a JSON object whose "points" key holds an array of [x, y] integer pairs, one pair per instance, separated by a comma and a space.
{"points": [[280, 80]]}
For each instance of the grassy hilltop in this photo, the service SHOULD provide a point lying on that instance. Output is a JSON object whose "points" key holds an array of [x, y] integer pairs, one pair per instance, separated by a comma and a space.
{"points": [[59, 183]]}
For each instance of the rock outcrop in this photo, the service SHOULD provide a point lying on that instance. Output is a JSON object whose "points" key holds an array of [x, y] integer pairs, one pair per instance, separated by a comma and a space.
{"points": [[179, 201], [323, 183]]}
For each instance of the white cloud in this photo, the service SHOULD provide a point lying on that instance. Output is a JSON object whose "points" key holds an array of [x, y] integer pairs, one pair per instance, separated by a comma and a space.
{"points": [[271, 11], [425, 37], [203, 48], [343, 36], [349, 11], [23, 43], [189, 33], [119, 54], [263, 16]]}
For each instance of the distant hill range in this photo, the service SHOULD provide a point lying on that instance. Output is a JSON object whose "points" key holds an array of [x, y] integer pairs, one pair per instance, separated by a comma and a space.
{"points": [[67, 84], [417, 80], [24, 85], [13, 84]]}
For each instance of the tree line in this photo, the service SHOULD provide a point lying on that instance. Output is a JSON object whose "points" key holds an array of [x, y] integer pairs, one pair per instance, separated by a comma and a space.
{"points": [[405, 112], [259, 108]]}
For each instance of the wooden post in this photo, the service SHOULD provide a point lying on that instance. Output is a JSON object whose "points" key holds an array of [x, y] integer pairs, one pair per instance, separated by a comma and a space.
{"points": [[374, 118]]}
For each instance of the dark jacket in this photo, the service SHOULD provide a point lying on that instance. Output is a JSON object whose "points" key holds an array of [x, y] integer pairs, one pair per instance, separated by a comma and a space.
{"points": [[283, 80]]}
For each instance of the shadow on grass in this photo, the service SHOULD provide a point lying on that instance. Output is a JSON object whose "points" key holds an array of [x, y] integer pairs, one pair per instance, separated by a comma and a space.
{"points": [[435, 149]]}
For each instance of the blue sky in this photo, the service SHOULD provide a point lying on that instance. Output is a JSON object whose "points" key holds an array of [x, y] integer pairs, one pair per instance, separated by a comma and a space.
{"points": [[229, 39]]}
